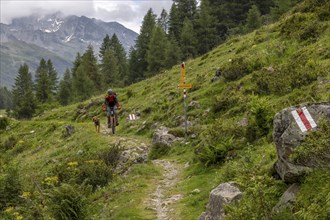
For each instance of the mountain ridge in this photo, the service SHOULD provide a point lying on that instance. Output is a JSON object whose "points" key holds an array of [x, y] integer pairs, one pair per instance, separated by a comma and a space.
{"points": [[63, 36]]}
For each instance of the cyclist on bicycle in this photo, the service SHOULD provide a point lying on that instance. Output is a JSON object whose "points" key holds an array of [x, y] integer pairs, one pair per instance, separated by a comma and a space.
{"points": [[111, 101]]}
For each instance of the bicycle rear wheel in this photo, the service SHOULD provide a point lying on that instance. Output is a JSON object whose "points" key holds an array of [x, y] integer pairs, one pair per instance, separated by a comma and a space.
{"points": [[113, 125]]}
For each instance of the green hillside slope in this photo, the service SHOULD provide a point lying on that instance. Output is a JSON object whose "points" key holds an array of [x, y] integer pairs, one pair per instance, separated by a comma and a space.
{"points": [[15, 52], [47, 174]]}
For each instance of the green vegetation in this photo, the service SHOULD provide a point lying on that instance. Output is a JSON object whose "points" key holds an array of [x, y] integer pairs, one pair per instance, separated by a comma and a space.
{"points": [[229, 136]]}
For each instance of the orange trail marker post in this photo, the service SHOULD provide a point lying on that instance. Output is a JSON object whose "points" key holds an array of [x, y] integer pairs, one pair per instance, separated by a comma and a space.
{"points": [[184, 86]]}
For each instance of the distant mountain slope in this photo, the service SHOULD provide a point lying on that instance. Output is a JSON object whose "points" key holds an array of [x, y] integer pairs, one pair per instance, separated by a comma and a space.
{"points": [[62, 36], [15, 53]]}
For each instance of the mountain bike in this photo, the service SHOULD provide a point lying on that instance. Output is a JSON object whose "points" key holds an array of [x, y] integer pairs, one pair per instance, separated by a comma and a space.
{"points": [[112, 120]]}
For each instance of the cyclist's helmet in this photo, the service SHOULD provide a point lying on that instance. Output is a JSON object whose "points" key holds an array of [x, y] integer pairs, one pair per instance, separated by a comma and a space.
{"points": [[110, 92]]}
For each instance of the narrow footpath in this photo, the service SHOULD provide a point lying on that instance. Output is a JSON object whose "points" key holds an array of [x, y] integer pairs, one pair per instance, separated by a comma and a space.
{"points": [[163, 199]]}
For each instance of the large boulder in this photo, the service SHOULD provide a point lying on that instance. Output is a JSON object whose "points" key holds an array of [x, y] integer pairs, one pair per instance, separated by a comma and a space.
{"points": [[225, 193], [288, 198], [291, 125], [161, 137]]}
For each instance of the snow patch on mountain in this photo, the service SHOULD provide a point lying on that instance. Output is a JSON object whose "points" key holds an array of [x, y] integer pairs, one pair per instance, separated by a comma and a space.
{"points": [[68, 38]]}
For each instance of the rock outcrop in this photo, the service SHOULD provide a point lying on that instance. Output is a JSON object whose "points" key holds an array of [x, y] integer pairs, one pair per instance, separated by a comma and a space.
{"points": [[287, 199], [290, 128], [222, 195], [161, 137]]}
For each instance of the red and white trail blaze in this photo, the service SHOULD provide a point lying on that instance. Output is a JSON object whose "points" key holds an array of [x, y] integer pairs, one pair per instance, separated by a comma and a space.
{"points": [[303, 119]]}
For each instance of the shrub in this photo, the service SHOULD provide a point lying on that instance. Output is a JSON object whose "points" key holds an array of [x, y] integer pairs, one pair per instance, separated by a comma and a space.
{"points": [[214, 154], [315, 150], [4, 122], [9, 143], [10, 187], [261, 195], [67, 203], [91, 172], [262, 117], [177, 132], [236, 69], [158, 151], [224, 102], [129, 93], [111, 156], [313, 200], [302, 26]]}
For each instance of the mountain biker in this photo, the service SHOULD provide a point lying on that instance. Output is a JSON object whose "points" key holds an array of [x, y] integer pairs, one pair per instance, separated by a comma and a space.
{"points": [[111, 101]]}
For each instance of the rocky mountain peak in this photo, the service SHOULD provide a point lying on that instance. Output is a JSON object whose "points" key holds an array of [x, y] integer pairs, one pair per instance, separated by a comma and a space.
{"points": [[56, 37]]}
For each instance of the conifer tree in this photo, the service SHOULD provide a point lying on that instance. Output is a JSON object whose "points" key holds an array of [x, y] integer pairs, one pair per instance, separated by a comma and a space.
{"points": [[133, 75], [253, 20], [172, 53], [89, 66], [264, 6], [156, 55], [186, 9], [188, 40], [120, 54], [105, 46], [6, 98], [206, 28], [65, 90], [180, 10], [83, 87], [42, 82], [163, 20], [110, 69], [76, 64], [53, 79], [23, 97], [142, 43], [280, 7], [174, 26]]}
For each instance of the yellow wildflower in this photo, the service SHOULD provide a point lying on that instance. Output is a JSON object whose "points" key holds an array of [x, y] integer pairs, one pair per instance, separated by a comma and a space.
{"points": [[19, 217], [51, 180], [92, 161], [26, 195], [74, 163], [9, 209]]}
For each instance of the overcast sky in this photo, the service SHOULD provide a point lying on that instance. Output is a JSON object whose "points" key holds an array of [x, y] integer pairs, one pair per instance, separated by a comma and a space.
{"points": [[129, 13]]}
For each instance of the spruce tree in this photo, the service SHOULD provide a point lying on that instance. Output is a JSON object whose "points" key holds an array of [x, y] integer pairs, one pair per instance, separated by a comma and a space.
{"points": [[65, 90], [174, 26], [172, 53], [53, 79], [280, 7], [23, 96], [90, 67], [110, 69], [188, 40], [142, 43], [76, 64], [6, 98], [133, 75], [253, 20], [186, 9], [105, 46], [156, 55], [120, 54], [83, 87], [206, 28], [42, 82], [163, 20]]}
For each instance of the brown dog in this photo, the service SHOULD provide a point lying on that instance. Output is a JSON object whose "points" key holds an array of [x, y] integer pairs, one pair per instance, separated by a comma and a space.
{"points": [[96, 121]]}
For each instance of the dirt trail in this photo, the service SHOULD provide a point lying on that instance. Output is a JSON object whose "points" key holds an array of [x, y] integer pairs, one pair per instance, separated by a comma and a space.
{"points": [[162, 201]]}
